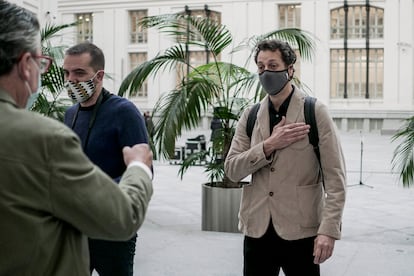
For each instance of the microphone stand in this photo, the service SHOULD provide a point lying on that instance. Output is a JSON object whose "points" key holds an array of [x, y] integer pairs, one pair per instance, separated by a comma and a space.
{"points": [[360, 166]]}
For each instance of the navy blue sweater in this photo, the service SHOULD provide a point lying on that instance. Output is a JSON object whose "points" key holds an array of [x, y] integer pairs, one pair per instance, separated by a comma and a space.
{"points": [[118, 123]]}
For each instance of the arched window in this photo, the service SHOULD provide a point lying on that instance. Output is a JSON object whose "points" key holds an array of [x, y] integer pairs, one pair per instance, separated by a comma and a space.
{"points": [[357, 22], [357, 69]]}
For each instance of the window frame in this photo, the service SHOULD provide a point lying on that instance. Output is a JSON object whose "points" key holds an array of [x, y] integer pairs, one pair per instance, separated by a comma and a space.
{"points": [[137, 34], [141, 56], [82, 27]]}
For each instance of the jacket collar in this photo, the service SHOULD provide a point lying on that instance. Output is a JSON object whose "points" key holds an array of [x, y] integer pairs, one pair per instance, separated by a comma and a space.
{"points": [[5, 97]]}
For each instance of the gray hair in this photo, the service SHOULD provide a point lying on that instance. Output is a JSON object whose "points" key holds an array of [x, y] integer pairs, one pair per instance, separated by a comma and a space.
{"points": [[19, 33]]}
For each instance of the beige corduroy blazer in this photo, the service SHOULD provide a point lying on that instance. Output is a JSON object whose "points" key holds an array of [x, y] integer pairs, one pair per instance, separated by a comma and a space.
{"points": [[287, 188]]}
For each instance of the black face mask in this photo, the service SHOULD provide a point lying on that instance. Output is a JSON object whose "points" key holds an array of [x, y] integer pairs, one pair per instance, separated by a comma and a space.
{"points": [[274, 81]]}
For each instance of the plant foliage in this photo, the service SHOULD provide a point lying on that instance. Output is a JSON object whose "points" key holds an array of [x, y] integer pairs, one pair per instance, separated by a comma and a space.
{"points": [[223, 88], [49, 102], [403, 158]]}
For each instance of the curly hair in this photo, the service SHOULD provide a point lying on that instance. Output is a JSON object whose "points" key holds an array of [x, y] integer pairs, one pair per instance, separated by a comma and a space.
{"points": [[288, 55]]}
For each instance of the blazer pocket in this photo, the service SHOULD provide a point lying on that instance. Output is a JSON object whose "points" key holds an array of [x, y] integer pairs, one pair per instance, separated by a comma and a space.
{"points": [[311, 203]]}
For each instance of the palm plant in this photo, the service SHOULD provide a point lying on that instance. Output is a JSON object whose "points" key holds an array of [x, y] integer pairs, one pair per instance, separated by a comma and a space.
{"points": [[49, 102], [222, 87], [403, 158]]}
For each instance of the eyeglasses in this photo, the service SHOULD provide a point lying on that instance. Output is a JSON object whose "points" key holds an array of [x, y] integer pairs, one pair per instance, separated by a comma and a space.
{"points": [[44, 63]]}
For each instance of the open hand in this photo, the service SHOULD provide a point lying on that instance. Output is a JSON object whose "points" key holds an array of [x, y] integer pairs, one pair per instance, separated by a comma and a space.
{"points": [[284, 135]]}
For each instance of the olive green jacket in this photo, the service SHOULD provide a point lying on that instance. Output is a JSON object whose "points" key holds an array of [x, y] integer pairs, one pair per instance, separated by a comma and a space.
{"points": [[52, 197]]}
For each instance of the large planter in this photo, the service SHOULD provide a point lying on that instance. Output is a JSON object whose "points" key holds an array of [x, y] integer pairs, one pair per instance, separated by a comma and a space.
{"points": [[220, 208]]}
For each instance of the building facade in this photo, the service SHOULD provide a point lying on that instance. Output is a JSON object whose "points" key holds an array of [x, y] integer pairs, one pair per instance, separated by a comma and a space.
{"points": [[46, 10], [363, 67]]}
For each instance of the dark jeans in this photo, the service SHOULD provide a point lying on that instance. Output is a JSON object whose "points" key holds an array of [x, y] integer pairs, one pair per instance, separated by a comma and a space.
{"points": [[265, 256], [111, 258]]}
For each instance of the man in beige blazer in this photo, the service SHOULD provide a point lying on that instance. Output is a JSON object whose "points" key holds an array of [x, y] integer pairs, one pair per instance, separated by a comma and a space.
{"points": [[289, 218], [51, 196]]}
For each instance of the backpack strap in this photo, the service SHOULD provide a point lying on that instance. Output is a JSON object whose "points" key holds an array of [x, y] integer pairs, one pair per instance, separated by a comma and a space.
{"points": [[251, 119], [309, 111]]}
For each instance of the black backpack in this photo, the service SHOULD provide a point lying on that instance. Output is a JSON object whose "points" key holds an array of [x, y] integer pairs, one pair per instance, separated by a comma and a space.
{"points": [[309, 110]]}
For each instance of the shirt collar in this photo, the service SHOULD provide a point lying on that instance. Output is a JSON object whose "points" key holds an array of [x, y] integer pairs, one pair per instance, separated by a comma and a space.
{"points": [[284, 107]]}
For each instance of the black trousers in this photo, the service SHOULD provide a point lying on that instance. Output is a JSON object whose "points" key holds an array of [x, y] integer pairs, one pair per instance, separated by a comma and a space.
{"points": [[265, 256], [110, 258]]}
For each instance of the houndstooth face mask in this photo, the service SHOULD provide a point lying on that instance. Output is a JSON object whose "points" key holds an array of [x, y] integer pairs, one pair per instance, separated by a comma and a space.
{"points": [[81, 91]]}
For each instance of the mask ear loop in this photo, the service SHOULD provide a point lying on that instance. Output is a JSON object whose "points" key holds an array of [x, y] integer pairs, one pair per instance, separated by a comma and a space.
{"points": [[96, 74]]}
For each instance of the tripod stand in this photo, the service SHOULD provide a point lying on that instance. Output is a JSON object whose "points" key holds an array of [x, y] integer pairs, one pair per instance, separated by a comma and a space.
{"points": [[360, 165]]}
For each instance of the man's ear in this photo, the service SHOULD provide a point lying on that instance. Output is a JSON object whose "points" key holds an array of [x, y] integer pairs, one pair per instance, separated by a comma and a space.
{"points": [[23, 66], [291, 71], [100, 75]]}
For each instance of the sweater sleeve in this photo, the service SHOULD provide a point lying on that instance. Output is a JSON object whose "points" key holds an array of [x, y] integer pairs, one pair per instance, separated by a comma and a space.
{"points": [[131, 125]]}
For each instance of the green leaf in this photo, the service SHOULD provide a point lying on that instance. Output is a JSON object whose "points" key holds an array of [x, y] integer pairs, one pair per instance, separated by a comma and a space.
{"points": [[403, 157]]}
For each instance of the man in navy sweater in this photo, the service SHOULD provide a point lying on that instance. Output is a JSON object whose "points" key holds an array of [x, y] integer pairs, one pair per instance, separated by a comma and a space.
{"points": [[105, 124]]}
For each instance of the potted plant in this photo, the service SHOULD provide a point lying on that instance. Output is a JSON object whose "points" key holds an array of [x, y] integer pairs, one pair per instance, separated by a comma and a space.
{"points": [[222, 88]]}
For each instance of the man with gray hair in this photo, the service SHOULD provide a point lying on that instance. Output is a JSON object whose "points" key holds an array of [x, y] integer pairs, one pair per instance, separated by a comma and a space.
{"points": [[51, 196]]}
